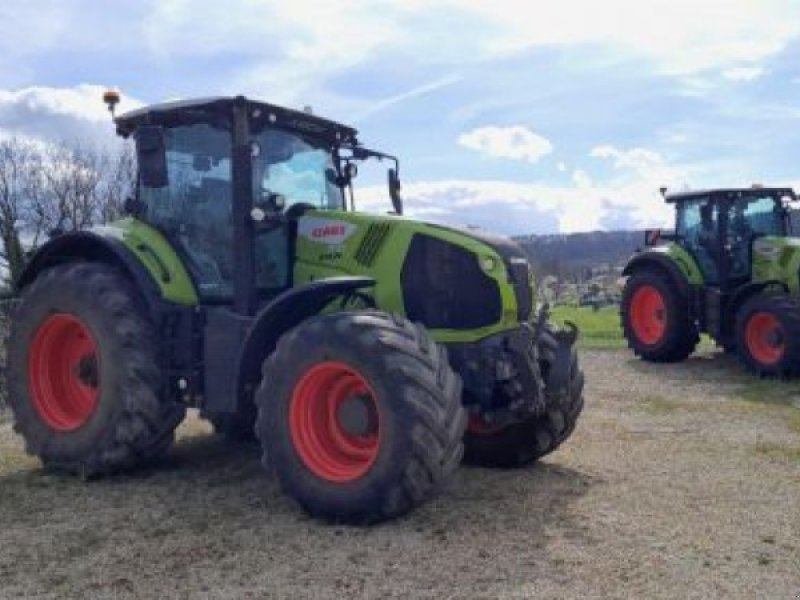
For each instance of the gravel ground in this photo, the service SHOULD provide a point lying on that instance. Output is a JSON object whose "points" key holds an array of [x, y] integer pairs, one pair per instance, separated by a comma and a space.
{"points": [[682, 481]]}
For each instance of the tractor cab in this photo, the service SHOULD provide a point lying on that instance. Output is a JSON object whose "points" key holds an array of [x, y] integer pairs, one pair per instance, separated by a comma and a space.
{"points": [[226, 179], [719, 227]]}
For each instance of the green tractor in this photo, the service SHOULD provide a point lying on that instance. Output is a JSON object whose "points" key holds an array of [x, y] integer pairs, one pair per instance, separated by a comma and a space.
{"points": [[367, 353], [731, 270]]}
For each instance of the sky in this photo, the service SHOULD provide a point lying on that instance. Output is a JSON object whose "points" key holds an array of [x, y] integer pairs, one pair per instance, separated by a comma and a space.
{"points": [[536, 116]]}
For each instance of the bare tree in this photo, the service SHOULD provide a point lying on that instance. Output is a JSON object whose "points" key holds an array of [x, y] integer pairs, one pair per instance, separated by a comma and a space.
{"points": [[119, 182], [64, 187], [15, 162]]}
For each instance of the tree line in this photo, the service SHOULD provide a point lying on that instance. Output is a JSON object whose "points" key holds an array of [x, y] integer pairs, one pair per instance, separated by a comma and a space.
{"points": [[48, 188]]}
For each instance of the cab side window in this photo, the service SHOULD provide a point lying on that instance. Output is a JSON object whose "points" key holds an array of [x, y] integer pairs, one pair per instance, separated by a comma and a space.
{"points": [[698, 227]]}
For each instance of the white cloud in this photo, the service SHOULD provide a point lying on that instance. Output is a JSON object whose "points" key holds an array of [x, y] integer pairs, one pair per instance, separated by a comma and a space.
{"points": [[628, 198], [59, 114], [641, 161], [291, 48], [518, 208], [745, 74], [516, 142], [421, 90], [679, 36]]}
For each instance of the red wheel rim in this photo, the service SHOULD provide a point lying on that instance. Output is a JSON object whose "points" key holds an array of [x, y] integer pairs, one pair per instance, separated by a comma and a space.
{"points": [[331, 447], [648, 315], [64, 372], [477, 426], [764, 337]]}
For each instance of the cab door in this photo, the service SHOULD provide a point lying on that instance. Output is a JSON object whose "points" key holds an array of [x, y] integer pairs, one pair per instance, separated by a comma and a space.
{"points": [[194, 209], [698, 226]]}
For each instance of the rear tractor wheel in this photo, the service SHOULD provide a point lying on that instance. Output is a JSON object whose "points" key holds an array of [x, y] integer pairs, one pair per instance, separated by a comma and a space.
{"points": [[655, 318], [768, 335], [360, 416], [83, 373]]}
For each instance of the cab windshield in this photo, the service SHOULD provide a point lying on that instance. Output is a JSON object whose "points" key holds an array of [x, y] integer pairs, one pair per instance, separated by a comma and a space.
{"points": [[291, 166]]}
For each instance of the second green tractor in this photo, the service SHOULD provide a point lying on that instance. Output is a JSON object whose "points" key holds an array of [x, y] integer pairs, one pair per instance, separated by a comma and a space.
{"points": [[730, 269]]}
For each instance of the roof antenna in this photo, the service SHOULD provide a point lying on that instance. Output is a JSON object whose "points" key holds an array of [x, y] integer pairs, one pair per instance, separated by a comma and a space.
{"points": [[111, 98], [663, 191]]}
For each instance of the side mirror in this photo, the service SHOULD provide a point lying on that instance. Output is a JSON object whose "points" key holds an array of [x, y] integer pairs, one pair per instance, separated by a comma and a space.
{"points": [[151, 154], [653, 237], [394, 191]]}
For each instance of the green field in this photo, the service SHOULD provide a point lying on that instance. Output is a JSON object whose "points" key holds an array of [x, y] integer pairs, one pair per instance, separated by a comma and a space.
{"points": [[599, 328]]}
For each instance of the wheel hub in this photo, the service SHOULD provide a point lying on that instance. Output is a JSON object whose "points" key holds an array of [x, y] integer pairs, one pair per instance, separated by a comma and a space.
{"points": [[356, 416], [86, 370]]}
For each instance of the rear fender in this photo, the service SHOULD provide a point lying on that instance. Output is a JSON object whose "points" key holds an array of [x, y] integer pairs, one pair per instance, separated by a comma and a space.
{"points": [[662, 262], [91, 247]]}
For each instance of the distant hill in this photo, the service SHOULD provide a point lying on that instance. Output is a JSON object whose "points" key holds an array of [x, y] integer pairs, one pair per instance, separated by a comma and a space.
{"points": [[569, 255]]}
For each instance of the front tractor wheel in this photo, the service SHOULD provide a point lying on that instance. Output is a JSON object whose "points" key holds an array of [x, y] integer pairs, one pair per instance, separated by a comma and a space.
{"points": [[655, 318], [83, 373], [523, 442], [768, 335], [360, 416]]}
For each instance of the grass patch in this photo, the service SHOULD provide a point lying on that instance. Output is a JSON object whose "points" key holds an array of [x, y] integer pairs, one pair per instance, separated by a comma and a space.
{"points": [[794, 422], [599, 328], [770, 391], [658, 406], [777, 451]]}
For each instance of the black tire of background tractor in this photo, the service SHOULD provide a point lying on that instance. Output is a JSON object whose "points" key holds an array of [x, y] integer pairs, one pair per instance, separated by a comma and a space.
{"points": [[418, 398], [237, 427], [680, 337], [787, 311], [130, 424], [530, 440]]}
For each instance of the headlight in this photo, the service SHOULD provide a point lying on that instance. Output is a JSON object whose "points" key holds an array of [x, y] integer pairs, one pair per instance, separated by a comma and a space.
{"points": [[488, 263]]}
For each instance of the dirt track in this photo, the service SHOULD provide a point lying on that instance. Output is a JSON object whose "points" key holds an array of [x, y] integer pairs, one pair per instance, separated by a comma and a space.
{"points": [[680, 482]]}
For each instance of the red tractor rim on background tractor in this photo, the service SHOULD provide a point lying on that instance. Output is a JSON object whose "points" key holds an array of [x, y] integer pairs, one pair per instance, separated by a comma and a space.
{"points": [[764, 338], [648, 315], [64, 372], [318, 433]]}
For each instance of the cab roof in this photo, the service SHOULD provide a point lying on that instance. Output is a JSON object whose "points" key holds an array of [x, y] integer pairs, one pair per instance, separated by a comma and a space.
{"points": [[219, 107], [690, 195]]}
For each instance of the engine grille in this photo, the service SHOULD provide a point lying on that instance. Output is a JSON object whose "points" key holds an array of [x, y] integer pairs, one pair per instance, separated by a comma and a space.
{"points": [[445, 288], [519, 276], [371, 244]]}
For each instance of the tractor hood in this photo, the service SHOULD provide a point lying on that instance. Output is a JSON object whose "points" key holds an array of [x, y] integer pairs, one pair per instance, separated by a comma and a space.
{"points": [[461, 282], [510, 251]]}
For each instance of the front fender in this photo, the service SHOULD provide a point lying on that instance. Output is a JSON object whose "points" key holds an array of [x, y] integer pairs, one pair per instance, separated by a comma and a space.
{"points": [[282, 314]]}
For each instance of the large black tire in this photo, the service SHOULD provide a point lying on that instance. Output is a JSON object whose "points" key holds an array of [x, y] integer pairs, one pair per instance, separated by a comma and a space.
{"points": [[768, 335], [655, 318], [529, 440], [413, 424], [126, 423]]}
